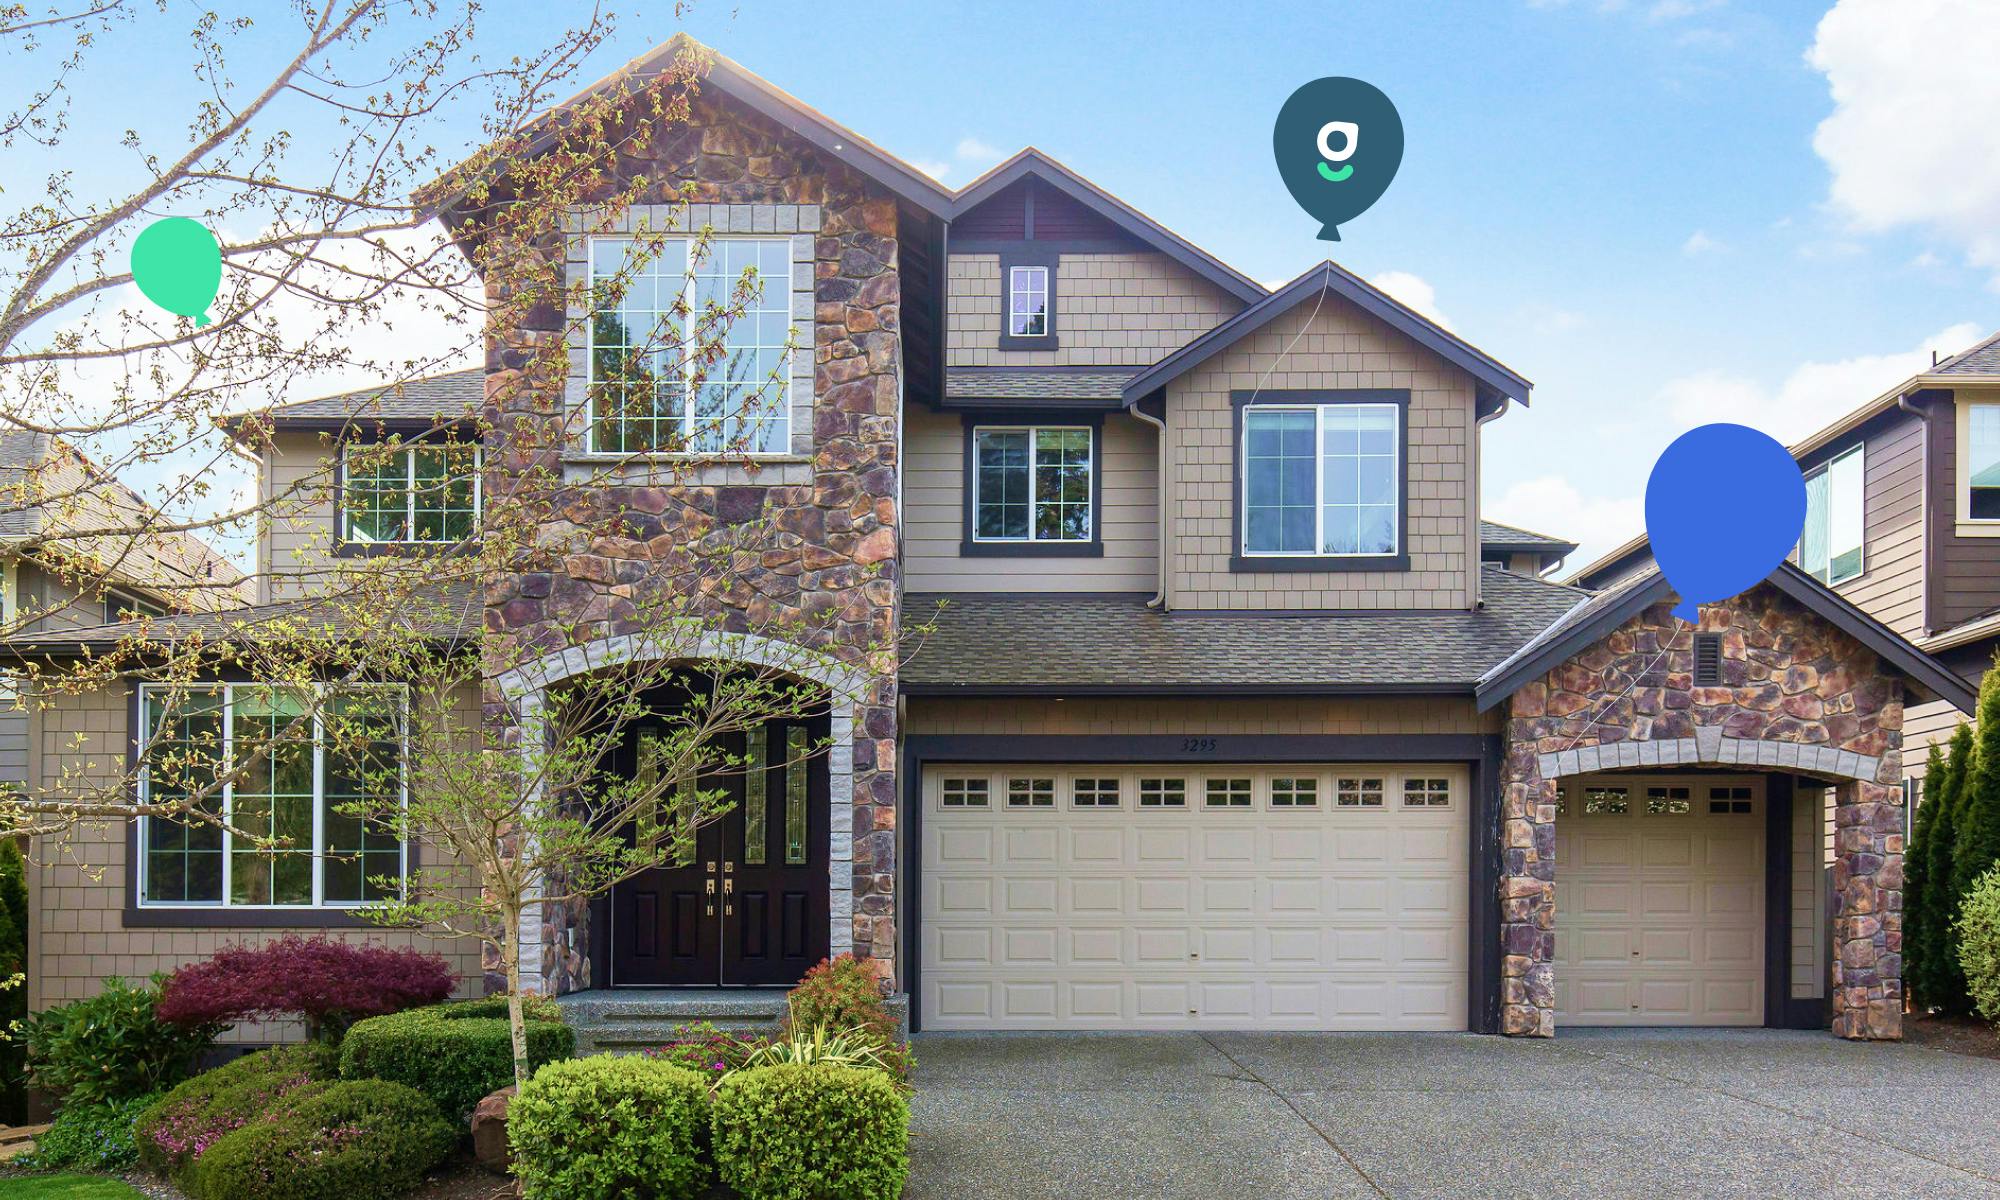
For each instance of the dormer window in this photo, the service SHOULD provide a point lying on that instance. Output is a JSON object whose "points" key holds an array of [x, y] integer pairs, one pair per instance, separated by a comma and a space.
{"points": [[426, 494], [1830, 543], [1321, 481], [1028, 301]]}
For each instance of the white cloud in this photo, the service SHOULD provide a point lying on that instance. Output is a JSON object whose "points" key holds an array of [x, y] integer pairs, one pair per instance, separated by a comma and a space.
{"points": [[1413, 290], [1551, 504], [1814, 394], [972, 150], [1910, 138], [1699, 242], [968, 160]]}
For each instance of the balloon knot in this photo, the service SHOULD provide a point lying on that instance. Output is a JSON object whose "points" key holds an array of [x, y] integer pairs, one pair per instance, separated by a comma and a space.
{"points": [[201, 320], [1328, 233]]}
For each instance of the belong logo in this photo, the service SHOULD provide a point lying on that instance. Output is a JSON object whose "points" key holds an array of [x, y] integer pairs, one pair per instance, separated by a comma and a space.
{"points": [[1338, 142]]}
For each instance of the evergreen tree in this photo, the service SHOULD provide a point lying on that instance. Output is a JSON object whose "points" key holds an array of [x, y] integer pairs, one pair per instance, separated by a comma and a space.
{"points": [[1979, 797], [1920, 899], [1944, 984]]}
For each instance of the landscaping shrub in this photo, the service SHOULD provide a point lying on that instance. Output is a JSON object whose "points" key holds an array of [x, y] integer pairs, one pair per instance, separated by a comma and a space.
{"points": [[602, 1128], [13, 980], [364, 1139], [454, 1053], [1979, 944], [90, 1137], [702, 1048], [795, 1132], [111, 1046], [842, 995], [180, 1125], [329, 984]]}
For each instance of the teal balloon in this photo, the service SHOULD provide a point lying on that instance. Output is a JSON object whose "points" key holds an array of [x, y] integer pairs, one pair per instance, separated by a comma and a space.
{"points": [[178, 264]]}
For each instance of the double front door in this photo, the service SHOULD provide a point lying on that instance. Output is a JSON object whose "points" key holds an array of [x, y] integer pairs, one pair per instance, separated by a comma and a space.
{"points": [[748, 907]]}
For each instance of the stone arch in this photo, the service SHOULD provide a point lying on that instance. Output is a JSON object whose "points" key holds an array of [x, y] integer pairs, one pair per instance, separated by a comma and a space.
{"points": [[524, 688], [1709, 747]]}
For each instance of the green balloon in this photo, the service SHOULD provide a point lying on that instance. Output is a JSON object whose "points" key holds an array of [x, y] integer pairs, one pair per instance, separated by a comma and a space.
{"points": [[178, 264]]}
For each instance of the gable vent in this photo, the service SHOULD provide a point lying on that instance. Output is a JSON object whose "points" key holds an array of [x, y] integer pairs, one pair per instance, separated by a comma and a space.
{"points": [[1707, 660]]}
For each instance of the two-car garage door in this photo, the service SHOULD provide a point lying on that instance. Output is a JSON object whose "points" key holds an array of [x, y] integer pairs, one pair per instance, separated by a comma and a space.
{"points": [[1158, 897]]}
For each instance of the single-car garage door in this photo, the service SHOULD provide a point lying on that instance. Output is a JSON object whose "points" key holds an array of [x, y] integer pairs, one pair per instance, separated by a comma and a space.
{"points": [[1660, 901], [1121, 897]]}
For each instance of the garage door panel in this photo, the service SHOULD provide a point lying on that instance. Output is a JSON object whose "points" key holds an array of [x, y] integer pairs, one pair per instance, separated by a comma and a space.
{"points": [[1254, 915]]}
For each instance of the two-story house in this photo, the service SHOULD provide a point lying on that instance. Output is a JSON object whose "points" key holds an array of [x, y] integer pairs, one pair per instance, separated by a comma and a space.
{"points": [[1903, 519], [1217, 707]]}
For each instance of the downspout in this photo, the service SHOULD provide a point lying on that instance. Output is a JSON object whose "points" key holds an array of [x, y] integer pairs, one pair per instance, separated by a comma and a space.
{"points": [[1159, 599], [1478, 447]]}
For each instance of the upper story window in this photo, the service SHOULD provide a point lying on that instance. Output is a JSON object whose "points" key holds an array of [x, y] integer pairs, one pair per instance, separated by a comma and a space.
{"points": [[1979, 490], [1028, 301], [1830, 542], [690, 346], [425, 494], [1032, 484], [301, 772], [1322, 480]]}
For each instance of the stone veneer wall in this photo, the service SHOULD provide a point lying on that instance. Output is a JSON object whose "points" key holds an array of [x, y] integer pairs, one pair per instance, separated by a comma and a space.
{"points": [[1798, 696], [810, 544]]}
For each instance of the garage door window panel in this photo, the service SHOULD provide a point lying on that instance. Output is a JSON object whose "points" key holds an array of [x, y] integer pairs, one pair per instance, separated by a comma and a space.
{"points": [[1606, 801], [1095, 791], [965, 792], [1733, 801], [1162, 792], [1364, 791], [1229, 792], [1669, 801], [1293, 791], [1031, 791], [1426, 791]]}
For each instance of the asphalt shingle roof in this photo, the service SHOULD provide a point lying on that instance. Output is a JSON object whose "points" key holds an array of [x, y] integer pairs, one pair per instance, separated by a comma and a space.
{"points": [[1493, 533], [1983, 359], [1114, 642], [453, 610], [1032, 384], [452, 396]]}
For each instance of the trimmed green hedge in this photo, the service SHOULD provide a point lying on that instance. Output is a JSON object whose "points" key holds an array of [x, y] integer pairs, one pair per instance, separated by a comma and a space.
{"points": [[602, 1128], [358, 1140], [457, 1054], [187, 1120], [792, 1132]]}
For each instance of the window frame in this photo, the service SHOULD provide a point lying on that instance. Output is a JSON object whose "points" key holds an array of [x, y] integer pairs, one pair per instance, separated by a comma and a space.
{"points": [[1825, 470], [1037, 283], [140, 911], [1243, 560], [1050, 261], [1964, 523], [348, 546], [971, 545], [789, 378]]}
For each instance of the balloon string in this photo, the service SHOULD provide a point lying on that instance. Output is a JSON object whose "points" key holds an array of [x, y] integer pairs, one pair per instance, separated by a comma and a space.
{"points": [[1327, 271], [1664, 651]]}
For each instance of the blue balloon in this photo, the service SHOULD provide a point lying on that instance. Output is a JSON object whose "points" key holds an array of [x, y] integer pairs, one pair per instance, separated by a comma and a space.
{"points": [[1724, 506]]}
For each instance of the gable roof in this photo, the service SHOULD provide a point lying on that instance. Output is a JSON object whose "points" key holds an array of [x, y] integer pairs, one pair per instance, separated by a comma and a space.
{"points": [[1588, 622], [1031, 162], [1494, 535], [428, 403], [1493, 379], [755, 92]]}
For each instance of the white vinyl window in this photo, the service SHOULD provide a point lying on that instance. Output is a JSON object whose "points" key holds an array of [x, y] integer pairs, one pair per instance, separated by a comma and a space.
{"points": [[1321, 480], [1032, 484], [421, 494], [1980, 500], [297, 769], [1830, 543], [1028, 301], [653, 385]]}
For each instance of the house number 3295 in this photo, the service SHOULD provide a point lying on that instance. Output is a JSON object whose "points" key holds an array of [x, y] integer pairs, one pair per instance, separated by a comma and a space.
{"points": [[1197, 745]]}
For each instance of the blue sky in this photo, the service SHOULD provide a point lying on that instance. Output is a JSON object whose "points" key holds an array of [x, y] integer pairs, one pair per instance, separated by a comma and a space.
{"points": [[1622, 199]]}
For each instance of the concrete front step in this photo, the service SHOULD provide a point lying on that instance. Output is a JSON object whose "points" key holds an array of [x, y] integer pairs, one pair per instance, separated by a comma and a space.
{"points": [[628, 1020]]}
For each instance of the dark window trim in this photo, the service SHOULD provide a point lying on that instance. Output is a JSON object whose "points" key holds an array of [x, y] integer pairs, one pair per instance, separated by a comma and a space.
{"points": [[342, 548], [1240, 403], [1028, 254], [969, 547], [136, 916]]}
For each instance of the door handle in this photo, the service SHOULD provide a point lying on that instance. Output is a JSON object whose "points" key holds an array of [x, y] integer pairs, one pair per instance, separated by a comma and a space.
{"points": [[728, 891], [710, 906]]}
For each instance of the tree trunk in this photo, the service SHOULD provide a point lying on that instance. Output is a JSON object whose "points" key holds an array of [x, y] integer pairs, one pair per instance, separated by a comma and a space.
{"points": [[510, 958]]}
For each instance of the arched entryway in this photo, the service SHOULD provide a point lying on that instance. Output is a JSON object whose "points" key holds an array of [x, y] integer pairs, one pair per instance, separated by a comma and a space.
{"points": [[802, 910]]}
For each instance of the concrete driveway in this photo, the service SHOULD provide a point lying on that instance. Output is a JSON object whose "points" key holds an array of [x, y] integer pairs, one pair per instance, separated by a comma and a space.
{"points": [[1592, 1114]]}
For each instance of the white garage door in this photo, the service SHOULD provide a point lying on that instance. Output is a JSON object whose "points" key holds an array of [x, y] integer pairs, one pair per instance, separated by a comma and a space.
{"points": [[1660, 901], [1120, 897]]}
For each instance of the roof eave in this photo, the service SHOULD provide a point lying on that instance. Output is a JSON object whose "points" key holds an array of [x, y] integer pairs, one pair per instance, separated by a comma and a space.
{"points": [[1440, 688]]}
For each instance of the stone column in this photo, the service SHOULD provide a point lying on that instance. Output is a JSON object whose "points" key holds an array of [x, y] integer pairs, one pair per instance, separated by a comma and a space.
{"points": [[1868, 922], [1527, 882]]}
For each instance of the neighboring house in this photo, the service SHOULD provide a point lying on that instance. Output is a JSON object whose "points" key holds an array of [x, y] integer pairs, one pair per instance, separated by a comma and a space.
{"points": [[46, 489], [1903, 520], [1228, 709]]}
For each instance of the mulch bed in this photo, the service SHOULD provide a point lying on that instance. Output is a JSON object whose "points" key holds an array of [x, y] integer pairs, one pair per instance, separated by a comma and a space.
{"points": [[1957, 1035]]}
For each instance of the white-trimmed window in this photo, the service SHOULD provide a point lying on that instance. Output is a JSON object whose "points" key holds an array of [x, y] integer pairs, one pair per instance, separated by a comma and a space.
{"points": [[1321, 480], [1162, 791], [655, 318], [1606, 801], [1670, 801], [966, 792], [1031, 791], [423, 494], [1033, 483], [1094, 791], [1427, 791], [1028, 301], [1358, 791], [1830, 542], [1294, 791], [1227, 792], [1979, 472], [302, 770]]}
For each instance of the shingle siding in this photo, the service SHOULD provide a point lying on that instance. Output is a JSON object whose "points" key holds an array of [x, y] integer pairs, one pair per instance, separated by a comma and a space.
{"points": [[1111, 309]]}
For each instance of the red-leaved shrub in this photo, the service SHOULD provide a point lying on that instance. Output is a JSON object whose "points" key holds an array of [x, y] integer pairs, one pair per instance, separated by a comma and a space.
{"points": [[329, 984]]}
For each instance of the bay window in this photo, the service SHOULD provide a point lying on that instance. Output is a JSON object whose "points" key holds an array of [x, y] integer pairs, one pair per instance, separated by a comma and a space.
{"points": [[1321, 480], [306, 776], [690, 346], [1830, 544]]}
